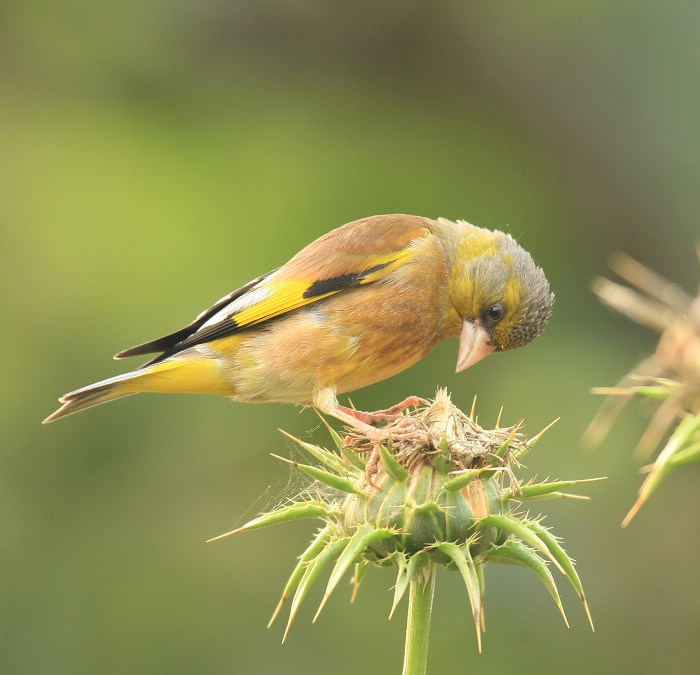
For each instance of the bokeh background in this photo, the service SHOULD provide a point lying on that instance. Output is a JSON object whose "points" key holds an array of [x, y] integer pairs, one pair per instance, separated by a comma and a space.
{"points": [[157, 155]]}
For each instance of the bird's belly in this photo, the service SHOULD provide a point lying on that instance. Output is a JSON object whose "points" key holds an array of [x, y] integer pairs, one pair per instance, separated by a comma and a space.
{"points": [[292, 358]]}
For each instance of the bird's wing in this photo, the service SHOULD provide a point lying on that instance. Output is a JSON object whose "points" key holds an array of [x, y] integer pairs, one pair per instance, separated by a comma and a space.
{"points": [[353, 255]]}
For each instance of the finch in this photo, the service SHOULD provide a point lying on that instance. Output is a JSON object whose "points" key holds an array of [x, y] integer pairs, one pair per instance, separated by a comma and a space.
{"points": [[358, 305]]}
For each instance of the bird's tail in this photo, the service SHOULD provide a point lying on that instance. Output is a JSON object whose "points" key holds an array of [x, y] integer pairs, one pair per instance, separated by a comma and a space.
{"points": [[169, 376], [87, 397]]}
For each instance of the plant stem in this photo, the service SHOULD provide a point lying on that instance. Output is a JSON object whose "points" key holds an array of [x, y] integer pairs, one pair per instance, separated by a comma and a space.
{"points": [[420, 608]]}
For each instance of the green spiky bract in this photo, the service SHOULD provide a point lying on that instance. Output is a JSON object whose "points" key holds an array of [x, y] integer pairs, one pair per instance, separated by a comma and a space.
{"points": [[433, 495]]}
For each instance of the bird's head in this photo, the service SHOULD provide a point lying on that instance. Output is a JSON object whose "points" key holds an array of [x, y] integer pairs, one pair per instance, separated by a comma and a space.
{"points": [[498, 294]]}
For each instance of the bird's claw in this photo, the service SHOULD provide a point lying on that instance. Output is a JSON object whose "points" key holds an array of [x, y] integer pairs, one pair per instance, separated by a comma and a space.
{"points": [[388, 415]]}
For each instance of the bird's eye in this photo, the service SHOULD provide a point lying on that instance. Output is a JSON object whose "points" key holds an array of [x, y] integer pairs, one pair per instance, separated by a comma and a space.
{"points": [[496, 312]]}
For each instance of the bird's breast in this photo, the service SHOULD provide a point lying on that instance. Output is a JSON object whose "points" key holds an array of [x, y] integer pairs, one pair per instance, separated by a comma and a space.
{"points": [[343, 342]]}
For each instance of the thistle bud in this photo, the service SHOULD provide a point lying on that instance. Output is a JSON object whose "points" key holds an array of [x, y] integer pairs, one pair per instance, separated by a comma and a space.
{"points": [[441, 492], [441, 476]]}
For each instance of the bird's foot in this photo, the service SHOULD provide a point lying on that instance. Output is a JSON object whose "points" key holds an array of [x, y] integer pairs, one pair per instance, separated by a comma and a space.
{"points": [[388, 415], [401, 428]]}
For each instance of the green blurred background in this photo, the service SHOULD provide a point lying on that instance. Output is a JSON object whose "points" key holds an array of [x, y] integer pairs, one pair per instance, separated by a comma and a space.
{"points": [[157, 155]]}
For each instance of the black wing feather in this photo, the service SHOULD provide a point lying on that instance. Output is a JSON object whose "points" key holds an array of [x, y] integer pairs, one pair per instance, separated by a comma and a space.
{"points": [[228, 326], [193, 334]]}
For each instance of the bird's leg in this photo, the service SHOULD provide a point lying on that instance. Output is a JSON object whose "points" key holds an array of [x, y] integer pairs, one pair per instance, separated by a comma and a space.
{"points": [[356, 420], [388, 415], [325, 400], [364, 421], [359, 420]]}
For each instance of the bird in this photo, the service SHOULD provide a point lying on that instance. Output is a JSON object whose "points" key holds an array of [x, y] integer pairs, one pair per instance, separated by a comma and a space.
{"points": [[358, 305]]}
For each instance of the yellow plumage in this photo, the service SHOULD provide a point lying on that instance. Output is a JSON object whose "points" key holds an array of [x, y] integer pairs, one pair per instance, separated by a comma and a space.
{"points": [[358, 305]]}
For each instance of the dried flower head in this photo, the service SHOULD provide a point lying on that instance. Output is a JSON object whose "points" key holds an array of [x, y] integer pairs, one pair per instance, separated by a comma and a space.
{"points": [[670, 375]]}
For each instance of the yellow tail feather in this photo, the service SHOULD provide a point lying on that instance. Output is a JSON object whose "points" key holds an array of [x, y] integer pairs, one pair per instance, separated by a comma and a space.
{"points": [[195, 376]]}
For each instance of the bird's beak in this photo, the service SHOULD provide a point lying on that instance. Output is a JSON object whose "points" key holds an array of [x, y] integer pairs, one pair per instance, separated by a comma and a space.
{"points": [[474, 344]]}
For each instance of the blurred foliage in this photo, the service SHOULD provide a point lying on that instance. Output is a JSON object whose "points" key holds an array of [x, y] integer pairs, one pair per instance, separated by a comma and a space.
{"points": [[158, 155]]}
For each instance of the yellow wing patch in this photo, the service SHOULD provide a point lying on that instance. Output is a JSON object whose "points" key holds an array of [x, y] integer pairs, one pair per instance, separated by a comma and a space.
{"points": [[286, 295]]}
